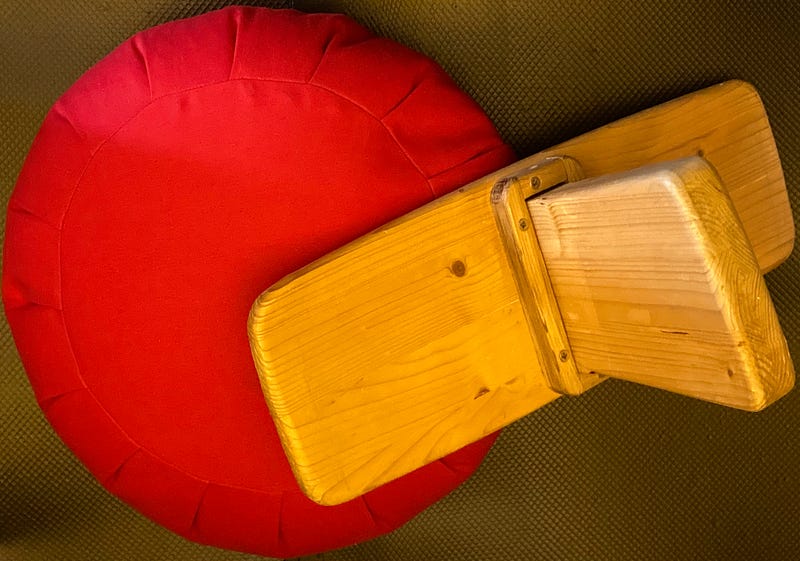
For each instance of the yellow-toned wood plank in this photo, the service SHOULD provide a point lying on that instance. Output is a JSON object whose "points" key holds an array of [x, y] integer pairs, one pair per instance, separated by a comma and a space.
{"points": [[658, 284], [726, 125], [397, 349]]}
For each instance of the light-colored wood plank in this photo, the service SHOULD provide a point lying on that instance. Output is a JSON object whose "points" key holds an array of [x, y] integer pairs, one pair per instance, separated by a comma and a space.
{"points": [[728, 126], [397, 349], [657, 284], [725, 124]]}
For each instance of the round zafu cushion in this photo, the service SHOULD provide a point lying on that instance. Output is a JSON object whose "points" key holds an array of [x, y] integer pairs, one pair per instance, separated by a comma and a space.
{"points": [[190, 169]]}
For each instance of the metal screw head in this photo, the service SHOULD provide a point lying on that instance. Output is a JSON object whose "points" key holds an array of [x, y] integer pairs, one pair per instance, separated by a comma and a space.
{"points": [[563, 355], [523, 224], [535, 182]]}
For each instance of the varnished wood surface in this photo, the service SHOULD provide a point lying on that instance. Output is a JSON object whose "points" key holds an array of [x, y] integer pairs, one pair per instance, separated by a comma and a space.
{"points": [[725, 124], [657, 284], [397, 349]]}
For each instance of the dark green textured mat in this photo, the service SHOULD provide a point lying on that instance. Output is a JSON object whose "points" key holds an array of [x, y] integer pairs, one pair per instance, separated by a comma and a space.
{"points": [[623, 472]]}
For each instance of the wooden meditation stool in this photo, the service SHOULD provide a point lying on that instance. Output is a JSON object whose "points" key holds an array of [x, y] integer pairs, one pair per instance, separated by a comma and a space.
{"points": [[634, 252], [233, 157]]}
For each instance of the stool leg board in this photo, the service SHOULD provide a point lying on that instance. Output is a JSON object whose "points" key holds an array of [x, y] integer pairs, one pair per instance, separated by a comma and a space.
{"points": [[657, 284]]}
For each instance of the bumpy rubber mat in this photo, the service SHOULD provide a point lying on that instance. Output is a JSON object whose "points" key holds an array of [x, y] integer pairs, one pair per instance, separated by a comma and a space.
{"points": [[623, 472]]}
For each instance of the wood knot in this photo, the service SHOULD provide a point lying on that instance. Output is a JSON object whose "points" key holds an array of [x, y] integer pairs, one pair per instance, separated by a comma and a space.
{"points": [[458, 268]]}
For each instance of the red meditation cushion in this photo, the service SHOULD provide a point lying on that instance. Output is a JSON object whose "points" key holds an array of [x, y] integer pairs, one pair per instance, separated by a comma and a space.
{"points": [[190, 169]]}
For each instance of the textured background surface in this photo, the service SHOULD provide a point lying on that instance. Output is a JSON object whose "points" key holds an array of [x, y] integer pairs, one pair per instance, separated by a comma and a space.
{"points": [[623, 472]]}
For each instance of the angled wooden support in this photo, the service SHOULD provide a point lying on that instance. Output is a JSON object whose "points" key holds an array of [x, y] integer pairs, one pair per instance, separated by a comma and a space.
{"points": [[633, 252], [657, 283]]}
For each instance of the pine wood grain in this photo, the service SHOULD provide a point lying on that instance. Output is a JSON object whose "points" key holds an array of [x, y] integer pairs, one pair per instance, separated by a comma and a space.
{"points": [[397, 349], [725, 124], [657, 284]]}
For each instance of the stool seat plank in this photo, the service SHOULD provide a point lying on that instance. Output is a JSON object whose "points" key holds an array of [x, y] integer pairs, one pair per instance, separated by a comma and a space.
{"points": [[391, 352]]}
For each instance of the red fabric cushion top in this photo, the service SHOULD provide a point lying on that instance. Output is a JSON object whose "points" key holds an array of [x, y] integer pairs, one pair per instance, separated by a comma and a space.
{"points": [[194, 166]]}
